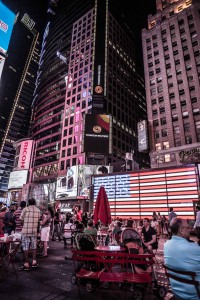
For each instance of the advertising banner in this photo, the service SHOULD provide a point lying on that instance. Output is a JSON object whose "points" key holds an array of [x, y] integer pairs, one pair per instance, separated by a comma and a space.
{"points": [[97, 133], [78, 180], [67, 185], [17, 179], [142, 136], [25, 155]]}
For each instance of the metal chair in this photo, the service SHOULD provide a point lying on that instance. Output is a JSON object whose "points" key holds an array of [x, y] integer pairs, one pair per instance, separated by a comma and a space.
{"points": [[190, 280]]}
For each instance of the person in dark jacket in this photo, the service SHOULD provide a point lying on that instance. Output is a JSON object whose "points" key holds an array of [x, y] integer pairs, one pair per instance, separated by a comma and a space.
{"points": [[9, 220]]}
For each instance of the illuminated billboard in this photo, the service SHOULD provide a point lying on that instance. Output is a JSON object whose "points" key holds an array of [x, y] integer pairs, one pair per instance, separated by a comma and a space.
{"points": [[67, 185], [97, 133], [78, 180], [142, 136], [25, 155], [17, 179], [7, 18], [138, 194]]}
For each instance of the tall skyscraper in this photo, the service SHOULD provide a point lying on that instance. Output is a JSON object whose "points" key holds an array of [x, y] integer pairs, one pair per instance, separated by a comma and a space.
{"points": [[87, 65], [171, 50], [16, 92]]}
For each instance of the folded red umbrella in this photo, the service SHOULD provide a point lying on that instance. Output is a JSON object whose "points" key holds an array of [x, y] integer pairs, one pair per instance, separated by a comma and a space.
{"points": [[102, 208]]}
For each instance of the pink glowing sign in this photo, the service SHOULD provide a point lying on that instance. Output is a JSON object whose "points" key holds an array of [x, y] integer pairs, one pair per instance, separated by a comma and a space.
{"points": [[25, 155]]}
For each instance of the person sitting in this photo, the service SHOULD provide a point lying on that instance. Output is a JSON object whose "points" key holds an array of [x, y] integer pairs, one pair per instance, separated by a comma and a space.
{"points": [[182, 255], [149, 236], [91, 230], [117, 231], [139, 227], [68, 228]]}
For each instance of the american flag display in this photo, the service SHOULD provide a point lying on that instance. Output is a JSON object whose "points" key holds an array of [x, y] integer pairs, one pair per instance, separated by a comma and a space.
{"points": [[138, 194]]}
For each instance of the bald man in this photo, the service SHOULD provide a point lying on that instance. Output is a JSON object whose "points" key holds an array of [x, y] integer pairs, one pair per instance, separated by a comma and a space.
{"points": [[183, 255]]}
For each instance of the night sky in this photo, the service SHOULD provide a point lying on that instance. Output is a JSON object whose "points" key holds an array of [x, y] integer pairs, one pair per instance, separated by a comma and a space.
{"points": [[135, 11]]}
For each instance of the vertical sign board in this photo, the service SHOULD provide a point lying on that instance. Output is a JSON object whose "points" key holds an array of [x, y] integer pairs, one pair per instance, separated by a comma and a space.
{"points": [[25, 155], [7, 18], [142, 136], [97, 133]]}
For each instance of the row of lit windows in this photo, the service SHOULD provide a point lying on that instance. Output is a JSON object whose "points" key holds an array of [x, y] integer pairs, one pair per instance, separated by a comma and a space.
{"points": [[177, 62], [48, 159], [175, 117]]}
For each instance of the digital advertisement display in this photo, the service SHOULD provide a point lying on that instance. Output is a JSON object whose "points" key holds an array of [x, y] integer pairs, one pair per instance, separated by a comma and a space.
{"points": [[97, 133], [138, 194], [78, 180], [7, 18], [67, 185], [17, 179], [142, 136]]}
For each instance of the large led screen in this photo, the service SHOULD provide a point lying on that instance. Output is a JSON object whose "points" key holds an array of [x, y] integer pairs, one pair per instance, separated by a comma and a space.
{"points": [[67, 185], [97, 133], [78, 181], [7, 18], [138, 194]]}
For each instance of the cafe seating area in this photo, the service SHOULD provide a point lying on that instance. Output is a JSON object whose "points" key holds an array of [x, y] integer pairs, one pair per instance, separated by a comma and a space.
{"points": [[109, 266]]}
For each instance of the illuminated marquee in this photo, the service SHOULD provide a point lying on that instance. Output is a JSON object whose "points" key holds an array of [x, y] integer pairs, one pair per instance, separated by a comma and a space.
{"points": [[139, 194]]}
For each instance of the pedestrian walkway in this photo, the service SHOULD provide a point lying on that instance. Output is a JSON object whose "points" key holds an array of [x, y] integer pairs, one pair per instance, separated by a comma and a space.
{"points": [[52, 280]]}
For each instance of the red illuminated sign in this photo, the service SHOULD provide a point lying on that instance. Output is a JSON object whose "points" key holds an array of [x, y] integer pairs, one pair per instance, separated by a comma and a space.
{"points": [[25, 154]]}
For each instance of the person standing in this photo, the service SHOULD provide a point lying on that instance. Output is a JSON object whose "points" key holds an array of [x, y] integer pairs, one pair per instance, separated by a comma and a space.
{"points": [[197, 223], [17, 214], [30, 216], [45, 230], [57, 227], [172, 214], [183, 255], [9, 220]]}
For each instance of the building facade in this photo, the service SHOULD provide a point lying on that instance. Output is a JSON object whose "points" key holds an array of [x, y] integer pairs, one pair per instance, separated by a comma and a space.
{"points": [[17, 87], [87, 65], [171, 51]]}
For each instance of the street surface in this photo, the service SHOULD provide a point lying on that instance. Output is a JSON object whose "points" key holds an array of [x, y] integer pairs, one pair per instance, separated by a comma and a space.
{"points": [[52, 280]]}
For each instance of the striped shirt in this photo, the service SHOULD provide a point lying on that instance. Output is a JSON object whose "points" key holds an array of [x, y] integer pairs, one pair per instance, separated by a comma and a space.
{"points": [[30, 216]]}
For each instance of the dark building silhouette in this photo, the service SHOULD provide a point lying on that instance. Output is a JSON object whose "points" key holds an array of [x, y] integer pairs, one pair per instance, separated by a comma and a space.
{"points": [[16, 93], [171, 50]]}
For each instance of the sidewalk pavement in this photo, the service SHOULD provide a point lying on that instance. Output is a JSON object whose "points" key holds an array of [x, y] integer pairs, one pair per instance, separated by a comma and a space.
{"points": [[52, 280]]}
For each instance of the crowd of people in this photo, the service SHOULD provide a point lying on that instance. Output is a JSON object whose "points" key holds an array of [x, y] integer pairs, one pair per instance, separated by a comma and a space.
{"points": [[33, 225]]}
